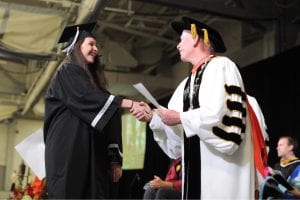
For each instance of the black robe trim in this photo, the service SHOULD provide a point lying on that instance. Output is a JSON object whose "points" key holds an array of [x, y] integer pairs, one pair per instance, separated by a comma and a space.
{"points": [[115, 154], [233, 105], [233, 137], [234, 121], [192, 156], [232, 89]]}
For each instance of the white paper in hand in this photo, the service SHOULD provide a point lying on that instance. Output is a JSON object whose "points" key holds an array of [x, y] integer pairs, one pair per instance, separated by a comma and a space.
{"points": [[143, 90], [32, 150]]}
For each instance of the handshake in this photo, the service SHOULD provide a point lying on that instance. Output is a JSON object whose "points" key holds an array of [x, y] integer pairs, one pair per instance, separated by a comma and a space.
{"points": [[141, 111], [144, 113]]}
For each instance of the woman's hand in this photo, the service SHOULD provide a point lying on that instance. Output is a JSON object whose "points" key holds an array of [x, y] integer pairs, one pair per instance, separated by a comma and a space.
{"points": [[116, 171]]}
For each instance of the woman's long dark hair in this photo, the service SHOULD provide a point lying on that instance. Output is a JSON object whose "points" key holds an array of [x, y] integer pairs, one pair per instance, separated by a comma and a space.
{"points": [[95, 71]]}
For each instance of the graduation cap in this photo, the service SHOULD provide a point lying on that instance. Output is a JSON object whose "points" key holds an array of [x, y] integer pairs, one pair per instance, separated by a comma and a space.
{"points": [[210, 35], [72, 34]]}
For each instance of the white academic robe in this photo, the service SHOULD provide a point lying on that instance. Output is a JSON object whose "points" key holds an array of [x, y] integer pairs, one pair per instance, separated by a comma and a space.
{"points": [[260, 117], [227, 169]]}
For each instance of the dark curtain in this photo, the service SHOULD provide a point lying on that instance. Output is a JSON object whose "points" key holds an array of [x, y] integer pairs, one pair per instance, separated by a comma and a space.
{"points": [[275, 82]]}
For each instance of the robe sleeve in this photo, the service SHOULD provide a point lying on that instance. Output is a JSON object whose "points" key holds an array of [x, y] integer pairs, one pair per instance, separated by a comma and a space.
{"points": [[170, 138], [114, 127], [167, 137], [74, 89], [220, 119], [294, 178]]}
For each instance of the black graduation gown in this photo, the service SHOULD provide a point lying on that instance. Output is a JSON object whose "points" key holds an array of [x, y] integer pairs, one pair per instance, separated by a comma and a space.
{"points": [[82, 133]]}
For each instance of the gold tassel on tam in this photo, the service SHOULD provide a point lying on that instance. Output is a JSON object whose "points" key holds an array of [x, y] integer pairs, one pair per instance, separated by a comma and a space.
{"points": [[205, 36], [193, 31]]}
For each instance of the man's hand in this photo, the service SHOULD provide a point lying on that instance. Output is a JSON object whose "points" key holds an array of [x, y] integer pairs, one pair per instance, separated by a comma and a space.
{"points": [[295, 192], [169, 117], [157, 182]]}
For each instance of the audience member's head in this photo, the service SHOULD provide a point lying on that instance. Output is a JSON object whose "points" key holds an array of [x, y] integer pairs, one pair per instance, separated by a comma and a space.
{"points": [[286, 147]]}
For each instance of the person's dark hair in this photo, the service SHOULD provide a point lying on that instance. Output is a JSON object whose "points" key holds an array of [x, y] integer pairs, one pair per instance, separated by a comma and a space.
{"points": [[95, 71], [292, 141]]}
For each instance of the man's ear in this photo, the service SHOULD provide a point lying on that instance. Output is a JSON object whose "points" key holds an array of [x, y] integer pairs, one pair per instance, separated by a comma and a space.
{"points": [[291, 147], [196, 40]]}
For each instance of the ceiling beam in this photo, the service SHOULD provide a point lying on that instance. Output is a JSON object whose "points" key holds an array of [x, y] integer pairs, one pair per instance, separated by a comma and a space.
{"points": [[17, 83], [218, 9], [123, 84], [90, 9], [11, 99], [112, 15], [132, 78], [135, 32]]}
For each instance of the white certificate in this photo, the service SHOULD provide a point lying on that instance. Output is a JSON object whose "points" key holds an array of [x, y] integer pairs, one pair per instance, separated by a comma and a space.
{"points": [[32, 150], [141, 88]]}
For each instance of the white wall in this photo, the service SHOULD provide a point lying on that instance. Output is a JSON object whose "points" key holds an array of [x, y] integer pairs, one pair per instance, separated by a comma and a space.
{"points": [[3, 141]]}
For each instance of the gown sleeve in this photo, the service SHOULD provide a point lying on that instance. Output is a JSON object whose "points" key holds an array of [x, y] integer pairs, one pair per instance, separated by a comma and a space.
{"points": [[167, 137], [115, 150], [72, 87], [294, 178], [220, 120]]}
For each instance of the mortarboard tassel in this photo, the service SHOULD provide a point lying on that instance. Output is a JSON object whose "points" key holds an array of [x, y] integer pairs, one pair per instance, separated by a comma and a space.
{"points": [[69, 48], [194, 31], [205, 36]]}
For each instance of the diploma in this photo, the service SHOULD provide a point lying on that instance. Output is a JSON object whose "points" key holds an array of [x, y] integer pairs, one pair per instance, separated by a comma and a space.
{"points": [[32, 150], [141, 89]]}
